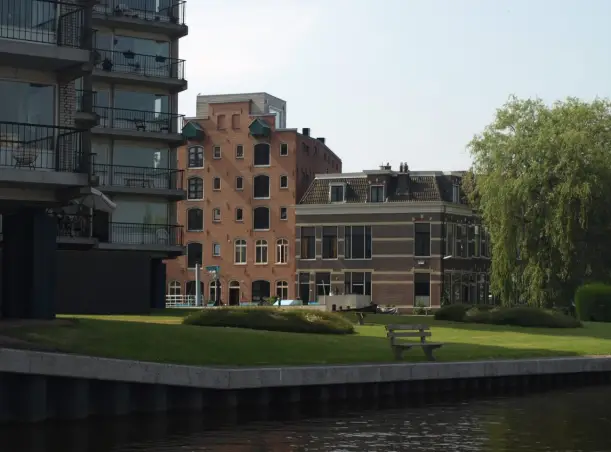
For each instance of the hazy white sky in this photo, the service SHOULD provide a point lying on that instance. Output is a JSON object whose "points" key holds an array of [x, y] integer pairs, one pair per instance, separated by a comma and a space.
{"points": [[397, 80]]}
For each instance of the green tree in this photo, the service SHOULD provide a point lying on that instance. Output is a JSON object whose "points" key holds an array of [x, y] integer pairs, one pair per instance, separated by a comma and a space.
{"points": [[542, 182]]}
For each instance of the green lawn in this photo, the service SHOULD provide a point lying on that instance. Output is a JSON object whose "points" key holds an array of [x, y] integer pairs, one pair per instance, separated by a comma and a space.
{"points": [[160, 337]]}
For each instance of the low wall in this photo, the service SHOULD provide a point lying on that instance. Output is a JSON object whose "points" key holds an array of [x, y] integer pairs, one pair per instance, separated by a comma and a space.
{"points": [[36, 386]]}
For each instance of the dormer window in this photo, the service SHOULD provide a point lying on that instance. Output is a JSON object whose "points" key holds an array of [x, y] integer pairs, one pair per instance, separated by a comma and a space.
{"points": [[337, 193], [376, 193], [456, 193]]}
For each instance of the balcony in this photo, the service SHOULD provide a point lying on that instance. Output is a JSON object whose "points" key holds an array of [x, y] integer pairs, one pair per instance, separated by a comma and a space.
{"points": [[140, 180], [141, 237], [38, 154], [152, 16], [139, 124], [153, 71], [84, 115], [49, 35]]}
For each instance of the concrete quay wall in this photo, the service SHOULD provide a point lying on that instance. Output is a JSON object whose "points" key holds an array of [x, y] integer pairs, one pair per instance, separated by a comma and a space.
{"points": [[36, 386]]}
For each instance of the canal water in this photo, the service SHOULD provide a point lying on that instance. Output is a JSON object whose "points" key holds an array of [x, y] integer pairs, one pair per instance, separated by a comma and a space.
{"points": [[577, 420]]}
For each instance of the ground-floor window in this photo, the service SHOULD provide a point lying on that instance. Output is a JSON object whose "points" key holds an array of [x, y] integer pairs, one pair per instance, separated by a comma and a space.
{"points": [[466, 287], [304, 287], [174, 288], [422, 290], [282, 290], [357, 283], [215, 291], [323, 283]]}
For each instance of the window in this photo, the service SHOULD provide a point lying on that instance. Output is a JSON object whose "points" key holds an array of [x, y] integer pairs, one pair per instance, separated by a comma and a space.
{"points": [[323, 283], [329, 242], [216, 152], [235, 121], [278, 116], [284, 149], [337, 193], [262, 157], [461, 240], [239, 251], [283, 213], [485, 239], [239, 151], [32, 102], [284, 181], [261, 219], [358, 283], [215, 290], [476, 241], [221, 122], [471, 241], [239, 214], [192, 287], [196, 157], [357, 242], [239, 183], [261, 186], [195, 220], [422, 239], [195, 190], [304, 287], [216, 249], [282, 251], [194, 254], [377, 193], [174, 288], [456, 193], [216, 183], [450, 228], [216, 215], [308, 243], [282, 290], [261, 252]]}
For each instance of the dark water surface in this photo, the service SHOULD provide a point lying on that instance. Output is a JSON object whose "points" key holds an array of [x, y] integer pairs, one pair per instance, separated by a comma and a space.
{"points": [[568, 421]]}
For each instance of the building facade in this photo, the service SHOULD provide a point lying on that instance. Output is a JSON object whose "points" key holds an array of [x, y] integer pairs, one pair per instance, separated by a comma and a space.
{"points": [[90, 91], [245, 173], [407, 239]]}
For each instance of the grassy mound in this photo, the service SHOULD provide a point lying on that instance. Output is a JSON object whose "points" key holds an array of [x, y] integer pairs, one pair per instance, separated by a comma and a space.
{"points": [[516, 316], [273, 319], [593, 302]]}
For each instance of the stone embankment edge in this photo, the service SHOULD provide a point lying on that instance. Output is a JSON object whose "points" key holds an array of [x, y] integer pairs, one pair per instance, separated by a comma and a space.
{"points": [[89, 367]]}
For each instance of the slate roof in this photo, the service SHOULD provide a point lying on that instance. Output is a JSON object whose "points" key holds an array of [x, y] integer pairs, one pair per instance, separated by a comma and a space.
{"points": [[429, 187]]}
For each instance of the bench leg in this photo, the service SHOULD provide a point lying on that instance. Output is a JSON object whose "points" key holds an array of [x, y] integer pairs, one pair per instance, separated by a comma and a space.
{"points": [[428, 351], [398, 351]]}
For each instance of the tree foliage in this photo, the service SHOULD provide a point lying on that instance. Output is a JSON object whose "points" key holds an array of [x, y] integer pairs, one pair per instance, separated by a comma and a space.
{"points": [[542, 182]]}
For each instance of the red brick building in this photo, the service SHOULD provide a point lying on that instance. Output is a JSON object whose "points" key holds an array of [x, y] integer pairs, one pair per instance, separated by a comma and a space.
{"points": [[245, 173]]}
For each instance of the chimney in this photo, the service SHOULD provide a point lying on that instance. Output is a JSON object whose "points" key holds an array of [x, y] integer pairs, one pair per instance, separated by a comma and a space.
{"points": [[306, 132], [403, 180], [321, 139]]}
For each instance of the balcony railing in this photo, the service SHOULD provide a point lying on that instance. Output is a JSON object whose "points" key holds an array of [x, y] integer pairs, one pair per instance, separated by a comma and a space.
{"points": [[41, 147], [134, 176], [139, 120], [49, 22], [128, 62], [145, 234], [171, 11], [85, 100]]}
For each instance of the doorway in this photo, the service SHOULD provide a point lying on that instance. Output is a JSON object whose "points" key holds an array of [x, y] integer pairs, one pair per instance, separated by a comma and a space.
{"points": [[234, 293], [260, 290]]}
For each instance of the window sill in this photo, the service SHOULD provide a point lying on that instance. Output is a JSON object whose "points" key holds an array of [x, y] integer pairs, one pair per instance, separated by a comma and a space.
{"points": [[216, 221], [284, 188], [195, 199], [306, 258], [195, 167], [330, 258], [195, 230], [260, 264], [282, 263], [261, 230], [358, 258], [284, 155], [216, 189], [240, 263], [268, 165], [262, 199]]}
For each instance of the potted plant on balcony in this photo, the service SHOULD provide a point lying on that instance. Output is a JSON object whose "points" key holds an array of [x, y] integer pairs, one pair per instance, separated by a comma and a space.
{"points": [[160, 59], [107, 65], [129, 54]]}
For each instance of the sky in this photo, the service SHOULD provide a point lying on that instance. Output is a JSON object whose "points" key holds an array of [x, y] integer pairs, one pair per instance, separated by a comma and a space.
{"points": [[397, 80]]}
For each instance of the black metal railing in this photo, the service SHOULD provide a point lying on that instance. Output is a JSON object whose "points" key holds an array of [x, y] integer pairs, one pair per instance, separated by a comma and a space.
{"points": [[141, 177], [139, 120], [49, 21], [42, 147], [138, 64], [171, 11], [85, 100], [74, 226], [145, 234]]}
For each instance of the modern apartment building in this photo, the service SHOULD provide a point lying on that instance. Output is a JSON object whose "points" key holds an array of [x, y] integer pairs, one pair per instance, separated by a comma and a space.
{"points": [[405, 238], [245, 173], [90, 94]]}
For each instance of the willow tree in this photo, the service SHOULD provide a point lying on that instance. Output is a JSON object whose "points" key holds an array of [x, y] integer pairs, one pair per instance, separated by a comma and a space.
{"points": [[542, 182]]}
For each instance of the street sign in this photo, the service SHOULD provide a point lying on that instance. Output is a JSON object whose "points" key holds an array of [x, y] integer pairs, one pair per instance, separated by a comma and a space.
{"points": [[213, 268]]}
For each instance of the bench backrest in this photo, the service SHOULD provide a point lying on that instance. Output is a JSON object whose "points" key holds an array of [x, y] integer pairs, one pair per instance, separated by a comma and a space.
{"points": [[404, 331], [404, 327]]}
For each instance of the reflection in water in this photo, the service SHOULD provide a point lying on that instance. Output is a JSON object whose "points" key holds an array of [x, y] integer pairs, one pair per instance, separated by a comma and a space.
{"points": [[554, 422]]}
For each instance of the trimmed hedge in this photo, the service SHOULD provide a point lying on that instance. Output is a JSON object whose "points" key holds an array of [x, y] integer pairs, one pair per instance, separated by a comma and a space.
{"points": [[273, 319], [516, 316], [593, 302]]}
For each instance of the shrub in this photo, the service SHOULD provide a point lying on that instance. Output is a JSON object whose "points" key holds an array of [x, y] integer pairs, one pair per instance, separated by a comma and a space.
{"points": [[452, 312], [593, 302], [273, 319], [522, 316]]}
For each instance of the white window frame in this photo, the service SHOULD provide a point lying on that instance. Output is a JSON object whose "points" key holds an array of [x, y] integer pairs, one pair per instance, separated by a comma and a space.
{"points": [[215, 155], [333, 185], [282, 251], [269, 153], [282, 286], [188, 188], [237, 156], [213, 287], [216, 249], [174, 288], [286, 211], [193, 148], [216, 215], [287, 150], [240, 244], [214, 179], [239, 209], [430, 238], [269, 186], [239, 178], [371, 187], [286, 186], [195, 230], [269, 218], [351, 258], [456, 193], [261, 252]]}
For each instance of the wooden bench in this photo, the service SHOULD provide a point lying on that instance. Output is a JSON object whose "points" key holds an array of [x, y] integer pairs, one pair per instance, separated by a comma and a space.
{"points": [[395, 332]]}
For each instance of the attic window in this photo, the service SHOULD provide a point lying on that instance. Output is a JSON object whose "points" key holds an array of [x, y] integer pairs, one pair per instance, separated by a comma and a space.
{"points": [[337, 193], [456, 194], [377, 193]]}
